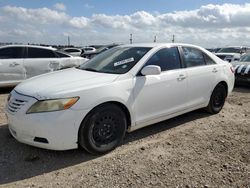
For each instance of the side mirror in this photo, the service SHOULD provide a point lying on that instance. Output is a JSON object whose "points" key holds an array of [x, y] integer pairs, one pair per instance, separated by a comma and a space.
{"points": [[151, 70]]}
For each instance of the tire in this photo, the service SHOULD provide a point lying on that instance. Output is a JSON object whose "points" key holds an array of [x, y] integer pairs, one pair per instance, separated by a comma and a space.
{"points": [[103, 129], [217, 99]]}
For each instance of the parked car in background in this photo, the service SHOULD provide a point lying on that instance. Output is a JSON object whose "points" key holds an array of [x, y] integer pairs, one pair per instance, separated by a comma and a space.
{"points": [[213, 50], [88, 49], [242, 70], [91, 54], [73, 51], [123, 89], [232, 53], [19, 62]]}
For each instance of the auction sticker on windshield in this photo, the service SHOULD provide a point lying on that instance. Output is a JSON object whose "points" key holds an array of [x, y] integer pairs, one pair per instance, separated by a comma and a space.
{"points": [[125, 61]]}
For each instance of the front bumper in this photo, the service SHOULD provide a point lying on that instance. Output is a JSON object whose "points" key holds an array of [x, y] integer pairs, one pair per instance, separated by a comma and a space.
{"points": [[50, 130], [242, 79]]}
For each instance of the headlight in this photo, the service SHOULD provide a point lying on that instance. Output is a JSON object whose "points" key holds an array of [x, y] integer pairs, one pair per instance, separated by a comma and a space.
{"points": [[52, 105]]}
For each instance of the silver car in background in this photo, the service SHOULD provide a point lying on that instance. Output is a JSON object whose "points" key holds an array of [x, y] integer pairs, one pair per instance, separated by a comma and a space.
{"points": [[20, 62]]}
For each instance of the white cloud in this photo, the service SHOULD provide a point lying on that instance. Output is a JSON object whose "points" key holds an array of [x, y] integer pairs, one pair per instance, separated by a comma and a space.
{"points": [[35, 16], [60, 6], [115, 22], [79, 22], [210, 25]]}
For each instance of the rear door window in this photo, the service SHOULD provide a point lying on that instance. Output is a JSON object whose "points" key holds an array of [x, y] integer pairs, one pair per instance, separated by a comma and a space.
{"points": [[193, 57], [167, 59], [40, 53], [11, 53]]}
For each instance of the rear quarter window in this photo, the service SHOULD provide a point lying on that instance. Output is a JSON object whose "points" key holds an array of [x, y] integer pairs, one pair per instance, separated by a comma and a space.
{"points": [[208, 60]]}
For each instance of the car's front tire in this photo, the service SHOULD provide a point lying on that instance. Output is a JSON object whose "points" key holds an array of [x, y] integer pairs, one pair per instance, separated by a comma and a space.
{"points": [[217, 99], [103, 129]]}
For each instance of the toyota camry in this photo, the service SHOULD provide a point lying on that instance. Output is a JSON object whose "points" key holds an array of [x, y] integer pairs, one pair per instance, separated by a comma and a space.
{"points": [[123, 89]]}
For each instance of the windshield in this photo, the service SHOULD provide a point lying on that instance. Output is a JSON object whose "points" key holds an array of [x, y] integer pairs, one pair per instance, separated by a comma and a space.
{"points": [[245, 58], [118, 60], [229, 50]]}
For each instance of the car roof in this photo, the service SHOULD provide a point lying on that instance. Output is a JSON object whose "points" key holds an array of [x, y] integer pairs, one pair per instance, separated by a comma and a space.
{"points": [[71, 48], [26, 45], [152, 45]]}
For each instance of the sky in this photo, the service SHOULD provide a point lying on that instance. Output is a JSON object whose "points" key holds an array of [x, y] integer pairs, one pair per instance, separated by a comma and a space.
{"points": [[201, 22]]}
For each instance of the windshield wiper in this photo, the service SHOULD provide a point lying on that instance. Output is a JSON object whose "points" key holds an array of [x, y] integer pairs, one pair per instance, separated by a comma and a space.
{"points": [[90, 69]]}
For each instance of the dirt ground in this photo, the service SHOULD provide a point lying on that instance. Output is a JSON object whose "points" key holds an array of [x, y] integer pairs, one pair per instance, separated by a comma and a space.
{"points": [[192, 150]]}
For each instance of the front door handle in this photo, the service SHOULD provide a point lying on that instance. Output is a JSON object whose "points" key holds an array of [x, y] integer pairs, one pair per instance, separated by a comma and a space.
{"points": [[214, 70], [14, 64], [181, 77]]}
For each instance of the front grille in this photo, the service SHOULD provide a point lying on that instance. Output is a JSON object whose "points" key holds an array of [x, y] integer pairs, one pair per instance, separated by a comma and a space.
{"points": [[15, 104]]}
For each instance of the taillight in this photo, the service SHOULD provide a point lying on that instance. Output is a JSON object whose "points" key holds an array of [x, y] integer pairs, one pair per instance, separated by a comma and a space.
{"points": [[232, 69]]}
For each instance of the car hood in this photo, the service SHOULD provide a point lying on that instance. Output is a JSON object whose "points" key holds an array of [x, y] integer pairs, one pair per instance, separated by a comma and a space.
{"points": [[234, 63], [63, 83]]}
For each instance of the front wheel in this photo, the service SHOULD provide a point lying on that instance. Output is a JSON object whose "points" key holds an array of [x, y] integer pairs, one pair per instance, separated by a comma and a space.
{"points": [[217, 99], [103, 129]]}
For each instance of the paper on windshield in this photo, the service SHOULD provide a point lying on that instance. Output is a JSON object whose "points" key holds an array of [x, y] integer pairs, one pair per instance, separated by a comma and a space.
{"points": [[122, 62]]}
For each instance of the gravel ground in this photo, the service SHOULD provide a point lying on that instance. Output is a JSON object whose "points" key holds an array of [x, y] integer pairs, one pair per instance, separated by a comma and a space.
{"points": [[192, 150]]}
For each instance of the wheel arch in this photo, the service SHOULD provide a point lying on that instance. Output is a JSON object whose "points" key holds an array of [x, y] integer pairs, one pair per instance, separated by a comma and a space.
{"points": [[124, 109], [119, 104], [224, 83]]}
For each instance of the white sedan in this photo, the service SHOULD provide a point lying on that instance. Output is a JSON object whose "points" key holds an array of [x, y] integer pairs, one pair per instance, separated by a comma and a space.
{"points": [[73, 51], [19, 62], [125, 88]]}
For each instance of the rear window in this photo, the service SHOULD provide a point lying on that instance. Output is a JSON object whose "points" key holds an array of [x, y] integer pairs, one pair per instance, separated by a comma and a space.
{"points": [[40, 53]]}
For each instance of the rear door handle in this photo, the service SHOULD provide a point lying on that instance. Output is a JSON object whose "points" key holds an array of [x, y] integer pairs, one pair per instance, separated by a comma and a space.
{"points": [[181, 77], [214, 70], [14, 64]]}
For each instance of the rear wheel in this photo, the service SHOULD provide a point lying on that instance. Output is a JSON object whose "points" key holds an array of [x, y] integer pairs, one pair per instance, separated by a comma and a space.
{"points": [[217, 99], [103, 129]]}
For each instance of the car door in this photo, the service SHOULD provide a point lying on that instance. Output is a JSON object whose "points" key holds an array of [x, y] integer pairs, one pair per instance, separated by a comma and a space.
{"points": [[202, 74], [156, 96], [39, 61], [11, 65]]}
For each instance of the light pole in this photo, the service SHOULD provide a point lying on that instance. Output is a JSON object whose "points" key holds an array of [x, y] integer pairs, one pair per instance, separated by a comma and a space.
{"points": [[131, 38]]}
